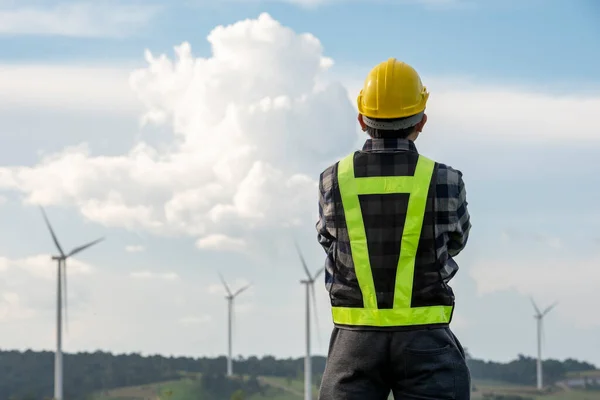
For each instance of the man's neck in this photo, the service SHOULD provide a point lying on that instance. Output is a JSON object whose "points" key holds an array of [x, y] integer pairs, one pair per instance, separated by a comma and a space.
{"points": [[413, 136]]}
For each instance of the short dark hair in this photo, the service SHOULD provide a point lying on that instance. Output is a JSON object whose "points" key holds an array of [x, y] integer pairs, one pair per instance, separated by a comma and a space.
{"points": [[390, 134]]}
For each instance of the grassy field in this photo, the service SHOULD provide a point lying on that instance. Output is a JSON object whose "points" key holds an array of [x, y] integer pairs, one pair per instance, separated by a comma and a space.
{"points": [[181, 390], [556, 393], [185, 389], [290, 385], [560, 395], [589, 374], [284, 389]]}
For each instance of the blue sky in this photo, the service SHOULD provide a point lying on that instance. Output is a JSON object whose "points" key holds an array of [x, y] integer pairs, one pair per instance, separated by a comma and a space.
{"points": [[515, 94], [546, 42]]}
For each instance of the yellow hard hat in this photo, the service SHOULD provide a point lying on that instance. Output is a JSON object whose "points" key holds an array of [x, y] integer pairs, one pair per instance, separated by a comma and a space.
{"points": [[393, 89]]}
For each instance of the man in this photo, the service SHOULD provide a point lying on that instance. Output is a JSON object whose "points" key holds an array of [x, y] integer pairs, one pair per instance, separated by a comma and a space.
{"points": [[390, 222]]}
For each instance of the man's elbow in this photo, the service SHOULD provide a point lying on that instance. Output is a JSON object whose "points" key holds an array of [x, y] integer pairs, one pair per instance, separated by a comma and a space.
{"points": [[323, 237], [455, 247], [458, 242], [324, 241]]}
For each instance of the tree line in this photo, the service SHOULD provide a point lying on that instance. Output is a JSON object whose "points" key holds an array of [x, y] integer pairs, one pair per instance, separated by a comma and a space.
{"points": [[523, 370], [29, 375]]}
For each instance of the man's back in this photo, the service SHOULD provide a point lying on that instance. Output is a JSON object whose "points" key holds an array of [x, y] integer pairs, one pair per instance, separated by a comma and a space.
{"points": [[402, 233], [445, 231]]}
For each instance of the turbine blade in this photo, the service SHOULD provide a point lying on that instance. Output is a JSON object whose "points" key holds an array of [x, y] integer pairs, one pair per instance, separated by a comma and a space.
{"points": [[547, 310], [242, 289], [537, 310], [317, 326], [319, 272], [52, 232], [85, 246], [225, 284], [302, 261]]}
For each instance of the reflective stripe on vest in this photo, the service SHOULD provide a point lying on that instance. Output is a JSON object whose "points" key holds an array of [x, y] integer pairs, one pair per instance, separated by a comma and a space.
{"points": [[402, 314]]}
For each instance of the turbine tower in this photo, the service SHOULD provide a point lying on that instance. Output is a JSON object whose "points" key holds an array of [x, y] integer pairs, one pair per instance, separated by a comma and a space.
{"points": [[230, 297], [539, 316], [60, 291], [310, 290]]}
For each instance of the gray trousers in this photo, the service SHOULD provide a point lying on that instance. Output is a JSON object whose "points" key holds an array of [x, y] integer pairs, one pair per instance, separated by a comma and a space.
{"points": [[426, 364]]}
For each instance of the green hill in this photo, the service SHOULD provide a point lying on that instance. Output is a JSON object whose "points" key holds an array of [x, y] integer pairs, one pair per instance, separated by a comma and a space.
{"points": [[283, 389], [191, 389]]}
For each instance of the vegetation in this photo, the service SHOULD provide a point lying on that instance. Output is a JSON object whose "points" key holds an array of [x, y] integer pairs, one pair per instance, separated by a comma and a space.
{"points": [[523, 370], [101, 376]]}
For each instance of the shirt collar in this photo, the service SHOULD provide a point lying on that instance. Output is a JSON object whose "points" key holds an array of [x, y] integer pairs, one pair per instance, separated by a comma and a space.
{"points": [[389, 145]]}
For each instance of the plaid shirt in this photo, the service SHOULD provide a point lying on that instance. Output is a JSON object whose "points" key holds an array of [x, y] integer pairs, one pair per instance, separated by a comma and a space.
{"points": [[452, 221]]}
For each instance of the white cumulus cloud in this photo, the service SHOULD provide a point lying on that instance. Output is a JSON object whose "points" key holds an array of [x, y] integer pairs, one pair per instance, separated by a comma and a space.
{"points": [[251, 128], [252, 125]]}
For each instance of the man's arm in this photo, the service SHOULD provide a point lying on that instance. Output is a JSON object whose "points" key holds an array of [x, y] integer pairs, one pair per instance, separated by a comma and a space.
{"points": [[461, 220], [325, 224]]}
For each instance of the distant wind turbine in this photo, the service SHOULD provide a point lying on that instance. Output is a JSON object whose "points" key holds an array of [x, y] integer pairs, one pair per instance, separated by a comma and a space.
{"points": [[230, 297], [310, 290], [62, 278], [539, 316]]}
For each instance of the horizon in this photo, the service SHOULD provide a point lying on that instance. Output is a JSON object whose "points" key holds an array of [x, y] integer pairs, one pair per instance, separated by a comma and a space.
{"points": [[263, 356]]}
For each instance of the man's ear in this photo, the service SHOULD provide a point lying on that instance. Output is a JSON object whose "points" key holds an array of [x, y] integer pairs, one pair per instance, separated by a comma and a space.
{"points": [[420, 125], [361, 122]]}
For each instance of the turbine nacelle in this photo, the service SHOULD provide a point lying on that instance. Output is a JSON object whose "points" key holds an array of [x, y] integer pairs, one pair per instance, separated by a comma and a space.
{"points": [[232, 295], [541, 314]]}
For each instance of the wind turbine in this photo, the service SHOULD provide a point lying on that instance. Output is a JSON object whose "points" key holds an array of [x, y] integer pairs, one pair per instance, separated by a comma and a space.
{"points": [[60, 291], [310, 290], [539, 316], [230, 297]]}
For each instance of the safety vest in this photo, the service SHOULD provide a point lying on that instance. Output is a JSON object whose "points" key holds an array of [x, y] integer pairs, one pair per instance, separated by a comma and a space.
{"points": [[402, 313]]}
